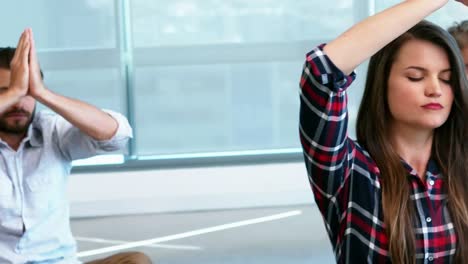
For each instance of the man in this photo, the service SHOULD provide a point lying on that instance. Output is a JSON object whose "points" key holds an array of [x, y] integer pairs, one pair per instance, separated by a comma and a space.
{"points": [[460, 33], [36, 151]]}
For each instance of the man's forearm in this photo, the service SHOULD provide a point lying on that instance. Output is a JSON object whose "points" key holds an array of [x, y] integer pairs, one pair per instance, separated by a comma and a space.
{"points": [[89, 119], [9, 98]]}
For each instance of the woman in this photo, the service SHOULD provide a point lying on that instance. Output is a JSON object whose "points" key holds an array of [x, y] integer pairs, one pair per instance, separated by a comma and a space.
{"points": [[400, 193]]}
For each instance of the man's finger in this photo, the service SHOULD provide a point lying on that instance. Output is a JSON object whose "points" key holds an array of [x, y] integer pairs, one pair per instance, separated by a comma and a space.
{"points": [[35, 71], [33, 53], [26, 49], [19, 47]]}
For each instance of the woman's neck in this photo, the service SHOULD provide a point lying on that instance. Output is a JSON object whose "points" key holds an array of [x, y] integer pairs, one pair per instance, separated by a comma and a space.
{"points": [[413, 145]]}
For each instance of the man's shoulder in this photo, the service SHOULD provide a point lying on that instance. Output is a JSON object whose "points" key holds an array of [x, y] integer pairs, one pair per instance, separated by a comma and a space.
{"points": [[44, 115], [44, 118]]}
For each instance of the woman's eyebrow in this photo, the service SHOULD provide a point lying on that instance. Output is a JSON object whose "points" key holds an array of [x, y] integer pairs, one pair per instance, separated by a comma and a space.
{"points": [[424, 69]]}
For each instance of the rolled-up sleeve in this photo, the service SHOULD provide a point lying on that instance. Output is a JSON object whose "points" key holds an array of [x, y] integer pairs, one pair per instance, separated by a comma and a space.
{"points": [[74, 144], [122, 135], [323, 128]]}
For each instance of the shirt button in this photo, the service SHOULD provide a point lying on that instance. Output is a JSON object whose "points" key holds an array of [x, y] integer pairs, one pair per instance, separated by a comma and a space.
{"points": [[430, 258], [428, 219], [431, 182]]}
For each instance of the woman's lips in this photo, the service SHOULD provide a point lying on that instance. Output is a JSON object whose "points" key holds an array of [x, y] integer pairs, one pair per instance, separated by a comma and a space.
{"points": [[433, 106]]}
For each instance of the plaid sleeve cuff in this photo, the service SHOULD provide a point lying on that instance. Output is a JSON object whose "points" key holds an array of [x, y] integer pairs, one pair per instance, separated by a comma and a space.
{"points": [[325, 72]]}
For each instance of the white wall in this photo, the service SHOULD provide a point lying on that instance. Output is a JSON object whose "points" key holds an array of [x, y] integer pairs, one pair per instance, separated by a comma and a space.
{"points": [[152, 191]]}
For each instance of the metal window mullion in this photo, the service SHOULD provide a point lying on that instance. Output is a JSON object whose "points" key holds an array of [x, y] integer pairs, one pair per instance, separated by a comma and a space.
{"points": [[223, 53], [125, 45]]}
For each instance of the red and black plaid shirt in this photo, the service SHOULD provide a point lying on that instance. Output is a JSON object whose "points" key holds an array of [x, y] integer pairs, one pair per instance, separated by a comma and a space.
{"points": [[346, 181]]}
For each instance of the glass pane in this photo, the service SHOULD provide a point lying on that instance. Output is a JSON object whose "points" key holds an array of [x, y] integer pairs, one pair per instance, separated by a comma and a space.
{"points": [[100, 87], [186, 109], [225, 106], [184, 22], [189, 109], [60, 24]]}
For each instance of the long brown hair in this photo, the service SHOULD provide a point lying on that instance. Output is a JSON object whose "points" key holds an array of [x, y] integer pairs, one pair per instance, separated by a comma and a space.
{"points": [[449, 149]]}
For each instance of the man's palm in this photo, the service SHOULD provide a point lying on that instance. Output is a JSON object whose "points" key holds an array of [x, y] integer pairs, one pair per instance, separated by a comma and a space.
{"points": [[36, 86], [20, 66]]}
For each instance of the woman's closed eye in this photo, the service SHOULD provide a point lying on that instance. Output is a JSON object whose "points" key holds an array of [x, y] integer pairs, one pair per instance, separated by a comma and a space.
{"points": [[447, 81], [415, 79]]}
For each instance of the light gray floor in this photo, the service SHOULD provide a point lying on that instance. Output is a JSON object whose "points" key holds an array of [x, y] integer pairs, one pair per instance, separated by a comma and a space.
{"points": [[297, 239]]}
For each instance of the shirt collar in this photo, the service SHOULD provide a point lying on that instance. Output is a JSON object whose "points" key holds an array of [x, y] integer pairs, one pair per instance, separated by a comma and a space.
{"points": [[34, 134], [432, 168]]}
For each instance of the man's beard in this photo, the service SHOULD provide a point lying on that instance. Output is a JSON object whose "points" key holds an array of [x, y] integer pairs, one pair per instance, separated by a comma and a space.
{"points": [[17, 126]]}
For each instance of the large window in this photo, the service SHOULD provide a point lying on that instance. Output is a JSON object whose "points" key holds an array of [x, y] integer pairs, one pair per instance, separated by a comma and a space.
{"points": [[196, 78], [214, 76]]}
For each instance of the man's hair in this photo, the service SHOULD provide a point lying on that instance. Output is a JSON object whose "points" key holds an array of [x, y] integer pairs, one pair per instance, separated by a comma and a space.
{"points": [[460, 32], [6, 55]]}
